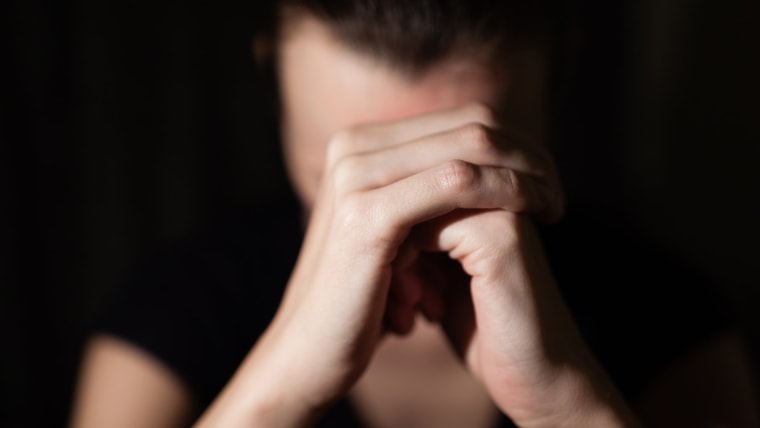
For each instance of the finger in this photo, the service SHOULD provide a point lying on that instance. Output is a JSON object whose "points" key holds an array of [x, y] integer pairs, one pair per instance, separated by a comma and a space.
{"points": [[431, 270], [472, 142], [416, 286], [370, 137], [453, 185], [406, 255], [406, 288], [400, 318], [432, 304]]}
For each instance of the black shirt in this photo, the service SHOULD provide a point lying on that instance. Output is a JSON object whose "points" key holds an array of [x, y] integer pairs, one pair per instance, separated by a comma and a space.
{"points": [[200, 305]]}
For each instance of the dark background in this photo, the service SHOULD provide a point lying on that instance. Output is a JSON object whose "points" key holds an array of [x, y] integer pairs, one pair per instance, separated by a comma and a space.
{"points": [[127, 124]]}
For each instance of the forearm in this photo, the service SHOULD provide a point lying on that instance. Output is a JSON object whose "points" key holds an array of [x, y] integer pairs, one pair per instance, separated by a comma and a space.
{"points": [[264, 392]]}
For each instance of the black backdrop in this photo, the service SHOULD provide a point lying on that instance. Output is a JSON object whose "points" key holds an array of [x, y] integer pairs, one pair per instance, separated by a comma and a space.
{"points": [[126, 124]]}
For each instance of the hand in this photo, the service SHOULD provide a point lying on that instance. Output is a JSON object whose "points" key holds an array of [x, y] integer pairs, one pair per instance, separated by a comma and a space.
{"points": [[381, 181], [482, 273]]}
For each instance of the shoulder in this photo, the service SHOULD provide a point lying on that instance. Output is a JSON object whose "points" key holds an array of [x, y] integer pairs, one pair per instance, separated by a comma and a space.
{"points": [[198, 304]]}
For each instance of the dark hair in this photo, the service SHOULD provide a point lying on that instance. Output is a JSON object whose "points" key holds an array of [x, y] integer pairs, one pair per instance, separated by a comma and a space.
{"points": [[411, 35]]}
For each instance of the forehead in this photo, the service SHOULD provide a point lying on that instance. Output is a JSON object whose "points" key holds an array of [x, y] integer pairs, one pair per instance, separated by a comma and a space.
{"points": [[328, 86]]}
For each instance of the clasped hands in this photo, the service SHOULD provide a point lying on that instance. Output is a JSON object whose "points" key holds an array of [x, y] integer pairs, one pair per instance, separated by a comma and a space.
{"points": [[432, 214]]}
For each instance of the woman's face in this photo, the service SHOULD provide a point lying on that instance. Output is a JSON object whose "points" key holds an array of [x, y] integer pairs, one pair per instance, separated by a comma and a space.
{"points": [[325, 87]]}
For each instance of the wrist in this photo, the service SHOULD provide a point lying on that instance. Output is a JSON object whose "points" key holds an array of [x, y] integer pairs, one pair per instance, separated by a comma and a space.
{"points": [[582, 398]]}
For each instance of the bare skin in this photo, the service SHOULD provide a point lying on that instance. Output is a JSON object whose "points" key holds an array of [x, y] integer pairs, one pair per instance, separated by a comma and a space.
{"points": [[417, 381], [450, 172], [418, 198]]}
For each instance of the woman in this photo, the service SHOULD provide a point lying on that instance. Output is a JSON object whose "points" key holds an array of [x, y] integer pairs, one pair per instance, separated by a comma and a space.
{"points": [[416, 156]]}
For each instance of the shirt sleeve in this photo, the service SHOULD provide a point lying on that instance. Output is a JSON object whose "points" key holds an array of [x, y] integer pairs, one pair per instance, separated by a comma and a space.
{"points": [[200, 306]]}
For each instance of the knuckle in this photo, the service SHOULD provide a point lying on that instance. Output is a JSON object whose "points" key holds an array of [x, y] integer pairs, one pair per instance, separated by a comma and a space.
{"points": [[479, 138], [345, 170], [341, 143], [516, 189], [457, 176], [482, 113], [514, 185], [345, 173]]}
